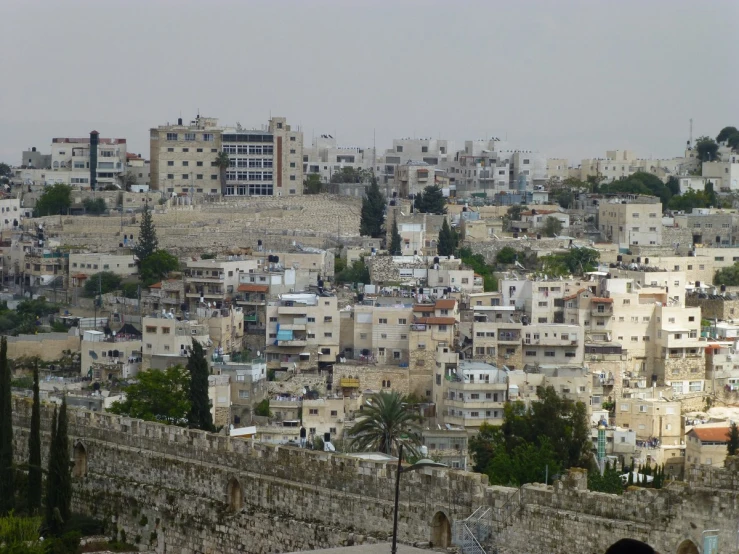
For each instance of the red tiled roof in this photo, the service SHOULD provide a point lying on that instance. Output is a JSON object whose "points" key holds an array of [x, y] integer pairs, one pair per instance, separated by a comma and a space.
{"points": [[711, 434], [156, 285], [423, 308], [445, 304], [80, 276], [437, 320], [573, 296], [602, 300], [253, 288]]}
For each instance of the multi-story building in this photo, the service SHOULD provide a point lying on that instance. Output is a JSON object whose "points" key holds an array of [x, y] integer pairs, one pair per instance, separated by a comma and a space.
{"points": [[431, 151], [637, 221], [449, 446], [553, 343], [183, 157], [34, 159], [497, 342], [106, 357], [91, 162], [225, 328], [168, 295], [213, 281], [168, 341], [711, 227], [413, 176], [12, 213], [651, 419], [302, 331], [266, 162], [325, 158], [470, 394], [324, 417], [381, 333], [248, 387], [725, 171]]}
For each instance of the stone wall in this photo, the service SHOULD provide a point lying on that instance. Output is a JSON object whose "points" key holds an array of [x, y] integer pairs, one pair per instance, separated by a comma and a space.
{"points": [[188, 491], [714, 307], [47, 346], [372, 376]]}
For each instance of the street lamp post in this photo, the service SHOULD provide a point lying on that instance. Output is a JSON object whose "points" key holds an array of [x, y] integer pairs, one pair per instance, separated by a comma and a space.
{"points": [[420, 464]]}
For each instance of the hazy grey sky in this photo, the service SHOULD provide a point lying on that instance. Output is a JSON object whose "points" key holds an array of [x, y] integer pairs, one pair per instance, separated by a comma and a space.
{"points": [[566, 78]]}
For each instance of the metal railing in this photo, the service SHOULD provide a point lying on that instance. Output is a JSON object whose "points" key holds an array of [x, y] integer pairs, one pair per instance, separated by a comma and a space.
{"points": [[471, 532]]}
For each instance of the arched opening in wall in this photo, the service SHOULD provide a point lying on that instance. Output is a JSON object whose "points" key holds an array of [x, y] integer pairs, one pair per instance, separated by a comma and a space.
{"points": [[441, 531], [687, 547], [234, 495], [80, 460]]}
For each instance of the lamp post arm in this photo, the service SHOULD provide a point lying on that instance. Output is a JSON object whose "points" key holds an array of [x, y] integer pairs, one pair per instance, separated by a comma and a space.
{"points": [[397, 496]]}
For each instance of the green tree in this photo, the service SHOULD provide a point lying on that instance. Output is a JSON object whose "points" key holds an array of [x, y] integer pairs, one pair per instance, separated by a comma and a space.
{"points": [[733, 445], [162, 396], [62, 466], [157, 266], [725, 133], [262, 409], [482, 446], [95, 206], [222, 162], [733, 141], [199, 416], [7, 471], [477, 263], [506, 255], [707, 149], [54, 200], [5, 170], [395, 246], [102, 283], [673, 185], [447, 240], [552, 227], [430, 201], [728, 276], [575, 261], [35, 478], [610, 482], [312, 184], [693, 199], [52, 486], [373, 211], [358, 272], [350, 175], [386, 423], [565, 199], [148, 242]]}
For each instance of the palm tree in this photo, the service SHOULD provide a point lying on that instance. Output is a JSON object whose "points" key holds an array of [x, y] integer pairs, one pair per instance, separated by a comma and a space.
{"points": [[387, 421], [222, 162]]}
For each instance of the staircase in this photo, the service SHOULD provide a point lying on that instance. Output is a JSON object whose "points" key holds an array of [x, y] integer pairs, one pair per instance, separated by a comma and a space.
{"points": [[475, 535]]}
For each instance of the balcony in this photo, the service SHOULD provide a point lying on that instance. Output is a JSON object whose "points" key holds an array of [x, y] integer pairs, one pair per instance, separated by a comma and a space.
{"points": [[292, 310], [204, 278], [292, 327], [418, 327], [293, 342], [509, 337], [596, 312], [251, 299], [251, 318]]}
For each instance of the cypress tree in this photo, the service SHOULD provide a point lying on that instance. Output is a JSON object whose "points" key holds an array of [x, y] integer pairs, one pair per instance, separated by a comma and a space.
{"points": [[64, 494], [733, 444], [395, 247], [199, 416], [447, 240], [7, 481], [34, 450], [373, 211], [148, 242], [51, 477]]}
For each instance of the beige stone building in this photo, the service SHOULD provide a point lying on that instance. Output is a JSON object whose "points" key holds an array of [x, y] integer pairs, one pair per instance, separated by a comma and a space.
{"points": [[213, 281], [182, 157], [651, 418], [555, 343], [380, 333], [302, 331], [706, 446], [636, 222], [103, 358], [94, 262], [167, 341]]}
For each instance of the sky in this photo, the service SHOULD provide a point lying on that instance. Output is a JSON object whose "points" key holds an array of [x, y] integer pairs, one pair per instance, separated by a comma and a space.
{"points": [[565, 78]]}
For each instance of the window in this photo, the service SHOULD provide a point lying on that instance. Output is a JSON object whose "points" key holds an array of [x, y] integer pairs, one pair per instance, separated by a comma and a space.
{"points": [[382, 321], [402, 321], [199, 176], [243, 394], [171, 136], [166, 330], [328, 335], [328, 319], [214, 177], [190, 136], [313, 411], [530, 353], [170, 163], [151, 329], [549, 353], [185, 164]]}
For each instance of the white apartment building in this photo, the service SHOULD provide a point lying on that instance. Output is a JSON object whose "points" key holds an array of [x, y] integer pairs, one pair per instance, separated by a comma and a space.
{"points": [[325, 157], [12, 214], [72, 161], [622, 163], [167, 341], [724, 173], [302, 331], [554, 343], [631, 223], [435, 152], [104, 358], [471, 394]]}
